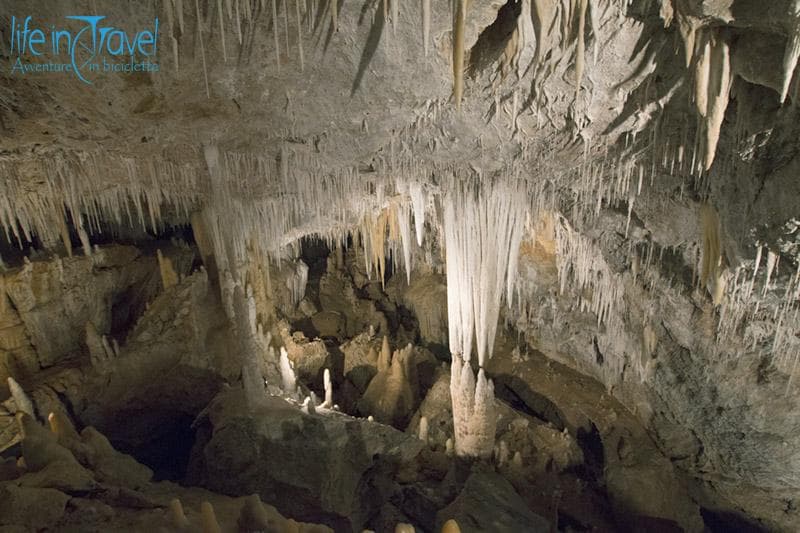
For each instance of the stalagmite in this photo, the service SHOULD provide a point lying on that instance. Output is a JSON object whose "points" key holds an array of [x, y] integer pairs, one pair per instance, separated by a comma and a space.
{"points": [[772, 261], [178, 517], [459, 27], [423, 429], [474, 414], [451, 526], [287, 374], [209, 518], [62, 428], [22, 401], [517, 460], [328, 389], [385, 358], [403, 527], [169, 278], [426, 25]]}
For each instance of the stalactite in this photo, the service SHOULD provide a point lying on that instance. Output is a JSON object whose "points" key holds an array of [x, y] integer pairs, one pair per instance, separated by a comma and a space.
{"points": [[171, 26], [719, 87], [202, 45], [792, 51], [482, 228], [286, 24], [237, 21], [222, 31], [169, 278], [395, 15], [275, 34], [334, 9], [418, 202], [688, 30], [300, 36], [701, 77], [426, 25], [404, 226], [459, 27], [581, 46], [179, 11]]}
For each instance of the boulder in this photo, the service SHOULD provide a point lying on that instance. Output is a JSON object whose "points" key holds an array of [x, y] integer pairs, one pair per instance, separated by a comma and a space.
{"points": [[34, 508], [319, 468], [489, 503]]}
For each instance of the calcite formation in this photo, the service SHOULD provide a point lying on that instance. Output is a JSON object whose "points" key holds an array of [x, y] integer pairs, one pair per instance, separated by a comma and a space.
{"points": [[608, 185]]}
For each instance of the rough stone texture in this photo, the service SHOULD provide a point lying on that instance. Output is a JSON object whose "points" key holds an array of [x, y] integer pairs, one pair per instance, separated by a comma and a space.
{"points": [[31, 508], [309, 357], [368, 97], [489, 503], [346, 463], [53, 300]]}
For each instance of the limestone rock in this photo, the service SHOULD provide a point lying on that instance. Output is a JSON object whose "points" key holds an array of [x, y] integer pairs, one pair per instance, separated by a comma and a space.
{"points": [[489, 503], [32, 508], [111, 466], [259, 455], [360, 360], [329, 324], [310, 357], [390, 396]]}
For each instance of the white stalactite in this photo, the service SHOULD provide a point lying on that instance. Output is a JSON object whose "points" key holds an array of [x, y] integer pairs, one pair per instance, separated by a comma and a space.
{"points": [[482, 229]]}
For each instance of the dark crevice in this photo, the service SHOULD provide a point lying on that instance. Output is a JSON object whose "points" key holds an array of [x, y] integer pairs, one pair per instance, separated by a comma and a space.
{"points": [[493, 39]]}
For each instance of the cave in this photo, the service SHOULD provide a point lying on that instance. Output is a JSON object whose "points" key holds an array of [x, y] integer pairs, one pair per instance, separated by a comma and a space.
{"points": [[381, 266]]}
